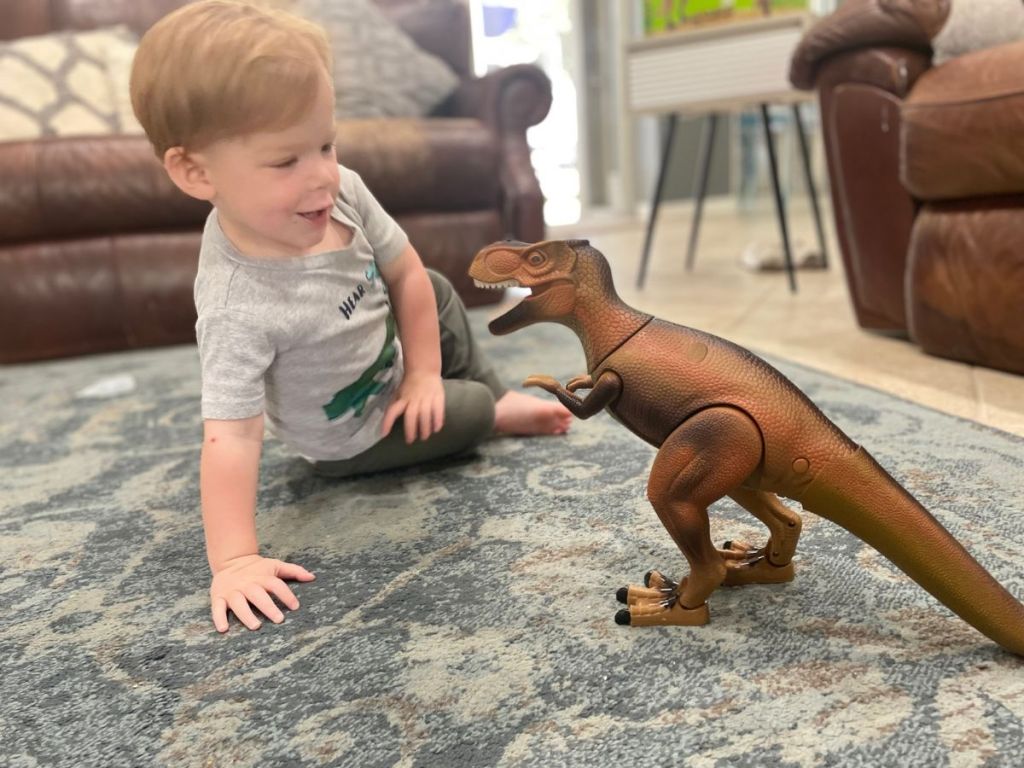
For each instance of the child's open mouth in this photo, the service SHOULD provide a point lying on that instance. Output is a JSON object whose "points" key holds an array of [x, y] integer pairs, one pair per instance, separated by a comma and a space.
{"points": [[315, 217]]}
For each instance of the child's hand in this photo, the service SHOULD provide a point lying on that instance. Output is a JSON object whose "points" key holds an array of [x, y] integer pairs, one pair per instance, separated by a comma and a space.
{"points": [[253, 579], [421, 399]]}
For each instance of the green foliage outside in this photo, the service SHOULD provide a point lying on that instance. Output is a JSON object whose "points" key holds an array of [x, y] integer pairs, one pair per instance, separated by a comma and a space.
{"points": [[662, 15]]}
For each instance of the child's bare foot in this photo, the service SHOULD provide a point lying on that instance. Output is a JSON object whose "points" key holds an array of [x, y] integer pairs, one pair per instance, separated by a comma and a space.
{"points": [[517, 413]]}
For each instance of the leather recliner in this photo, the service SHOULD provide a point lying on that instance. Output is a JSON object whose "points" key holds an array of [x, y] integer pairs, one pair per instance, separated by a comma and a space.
{"points": [[926, 167]]}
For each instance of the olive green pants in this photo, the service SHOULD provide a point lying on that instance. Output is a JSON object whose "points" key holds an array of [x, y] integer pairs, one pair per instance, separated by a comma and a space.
{"points": [[470, 390]]}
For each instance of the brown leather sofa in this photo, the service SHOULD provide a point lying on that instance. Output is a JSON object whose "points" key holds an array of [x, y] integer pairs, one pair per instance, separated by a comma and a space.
{"points": [[927, 173], [98, 250]]}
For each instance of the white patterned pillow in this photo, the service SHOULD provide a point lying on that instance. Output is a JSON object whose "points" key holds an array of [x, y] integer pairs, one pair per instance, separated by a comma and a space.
{"points": [[378, 70], [59, 84], [119, 55]]}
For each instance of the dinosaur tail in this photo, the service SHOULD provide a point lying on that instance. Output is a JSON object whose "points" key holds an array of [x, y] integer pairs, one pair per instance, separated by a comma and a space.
{"points": [[865, 500]]}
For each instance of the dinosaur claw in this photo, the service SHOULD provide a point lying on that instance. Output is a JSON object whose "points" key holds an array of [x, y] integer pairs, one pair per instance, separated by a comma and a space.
{"points": [[622, 594], [542, 381], [622, 617], [657, 580]]}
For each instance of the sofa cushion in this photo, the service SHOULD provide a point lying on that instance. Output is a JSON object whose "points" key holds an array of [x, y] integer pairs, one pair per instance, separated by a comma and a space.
{"points": [[74, 297], [378, 70], [965, 269], [60, 84], [962, 122]]}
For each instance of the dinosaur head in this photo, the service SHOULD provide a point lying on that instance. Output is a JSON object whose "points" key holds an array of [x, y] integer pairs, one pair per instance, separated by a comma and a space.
{"points": [[548, 269]]}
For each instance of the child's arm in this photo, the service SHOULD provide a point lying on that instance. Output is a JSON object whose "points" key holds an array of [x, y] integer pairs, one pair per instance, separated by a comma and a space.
{"points": [[420, 396], [228, 477]]}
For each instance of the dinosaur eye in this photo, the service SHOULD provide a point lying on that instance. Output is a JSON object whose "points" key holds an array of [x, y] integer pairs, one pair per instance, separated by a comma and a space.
{"points": [[535, 259]]}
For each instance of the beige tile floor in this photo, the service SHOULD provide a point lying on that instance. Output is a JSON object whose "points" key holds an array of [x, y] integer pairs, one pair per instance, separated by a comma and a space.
{"points": [[814, 327]]}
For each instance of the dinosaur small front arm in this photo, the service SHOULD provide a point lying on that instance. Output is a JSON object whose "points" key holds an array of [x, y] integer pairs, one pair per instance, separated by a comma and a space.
{"points": [[602, 393]]}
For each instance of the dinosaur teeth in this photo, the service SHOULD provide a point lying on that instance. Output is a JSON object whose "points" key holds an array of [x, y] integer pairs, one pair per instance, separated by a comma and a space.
{"points": [[505, 284]]}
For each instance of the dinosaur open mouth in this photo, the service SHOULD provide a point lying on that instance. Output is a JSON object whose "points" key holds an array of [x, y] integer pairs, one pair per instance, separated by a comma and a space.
{"points": [[518, 315], [535, 290]]}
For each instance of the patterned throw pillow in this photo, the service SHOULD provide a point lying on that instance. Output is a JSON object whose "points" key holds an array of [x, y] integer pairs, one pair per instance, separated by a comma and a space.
{"points": [[59, 84], [378, 70], [119, 55]]}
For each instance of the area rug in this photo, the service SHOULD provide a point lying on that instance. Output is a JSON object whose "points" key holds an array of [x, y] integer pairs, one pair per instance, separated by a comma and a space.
{"points": [[463, 612]]}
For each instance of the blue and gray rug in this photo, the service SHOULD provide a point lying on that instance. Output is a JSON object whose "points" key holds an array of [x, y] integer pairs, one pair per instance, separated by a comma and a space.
{"points": [[463, 613]]}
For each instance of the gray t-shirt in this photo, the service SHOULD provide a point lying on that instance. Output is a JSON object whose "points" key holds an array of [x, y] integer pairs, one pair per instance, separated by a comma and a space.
{"points": [[309, 341]]}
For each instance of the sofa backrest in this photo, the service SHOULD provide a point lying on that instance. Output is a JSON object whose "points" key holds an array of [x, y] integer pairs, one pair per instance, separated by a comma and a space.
{"points": [[438, 26], [37, 17]]}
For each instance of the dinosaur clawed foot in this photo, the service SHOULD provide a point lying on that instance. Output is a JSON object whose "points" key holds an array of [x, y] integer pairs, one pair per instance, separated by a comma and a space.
{"points": [[746, 565], [655, 587], [738, 550], [661, 613], [656, 603]]}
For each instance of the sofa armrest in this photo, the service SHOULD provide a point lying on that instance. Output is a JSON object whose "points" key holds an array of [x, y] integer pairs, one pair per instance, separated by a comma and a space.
{"points": [[907, 24], [894, 70], [860, 93], [509, 101]]}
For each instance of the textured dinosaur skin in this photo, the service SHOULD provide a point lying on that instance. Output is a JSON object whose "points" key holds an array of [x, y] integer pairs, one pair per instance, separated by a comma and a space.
{"points": [[726, 423]]}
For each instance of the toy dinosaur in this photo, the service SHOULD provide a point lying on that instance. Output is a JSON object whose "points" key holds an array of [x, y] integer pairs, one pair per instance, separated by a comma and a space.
{"points": [[726, 423]]}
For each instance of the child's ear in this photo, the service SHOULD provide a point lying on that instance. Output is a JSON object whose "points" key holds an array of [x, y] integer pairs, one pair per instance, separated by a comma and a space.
{"points": [[188, 173]]}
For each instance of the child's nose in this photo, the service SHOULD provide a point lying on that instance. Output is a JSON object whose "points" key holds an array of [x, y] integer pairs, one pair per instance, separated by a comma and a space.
{"points": [[324, 173]]}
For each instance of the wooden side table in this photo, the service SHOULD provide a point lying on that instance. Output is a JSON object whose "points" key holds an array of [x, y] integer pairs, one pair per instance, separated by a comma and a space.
{"points": [[714, 69]]}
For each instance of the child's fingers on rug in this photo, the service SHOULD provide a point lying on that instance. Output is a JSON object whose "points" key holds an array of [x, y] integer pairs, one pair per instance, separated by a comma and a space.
{"points": [[292, 571], [259, 597], [239, 605], [219, 610], [282, 592]]}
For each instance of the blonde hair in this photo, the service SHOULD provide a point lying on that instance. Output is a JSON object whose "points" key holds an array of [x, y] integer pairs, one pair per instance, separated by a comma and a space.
{"points": [[221, 68]]}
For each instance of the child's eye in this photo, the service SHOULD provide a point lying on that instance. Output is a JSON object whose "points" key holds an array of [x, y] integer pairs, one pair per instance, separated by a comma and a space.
{"points": [[285, 163], [327, 148]]}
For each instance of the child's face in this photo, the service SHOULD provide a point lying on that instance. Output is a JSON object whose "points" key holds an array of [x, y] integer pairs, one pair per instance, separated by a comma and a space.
{"points": [[274, 190]]}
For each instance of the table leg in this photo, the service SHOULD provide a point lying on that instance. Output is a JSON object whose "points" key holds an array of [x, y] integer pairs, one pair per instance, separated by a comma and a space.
{"points": [[780, 206], [811, 190], [659, 188], [701, 185]]}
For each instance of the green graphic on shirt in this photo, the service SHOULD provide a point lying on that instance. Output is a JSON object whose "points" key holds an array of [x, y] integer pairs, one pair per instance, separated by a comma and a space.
{"points": [[355, 396]]}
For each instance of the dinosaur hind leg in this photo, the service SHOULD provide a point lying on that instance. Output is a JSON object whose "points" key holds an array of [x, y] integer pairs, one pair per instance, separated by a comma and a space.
{"points": [[707, 456], [773, 563]]}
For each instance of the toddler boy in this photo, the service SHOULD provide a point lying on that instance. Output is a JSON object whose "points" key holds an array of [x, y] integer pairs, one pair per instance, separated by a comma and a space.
{"points": [[315, 314]]}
